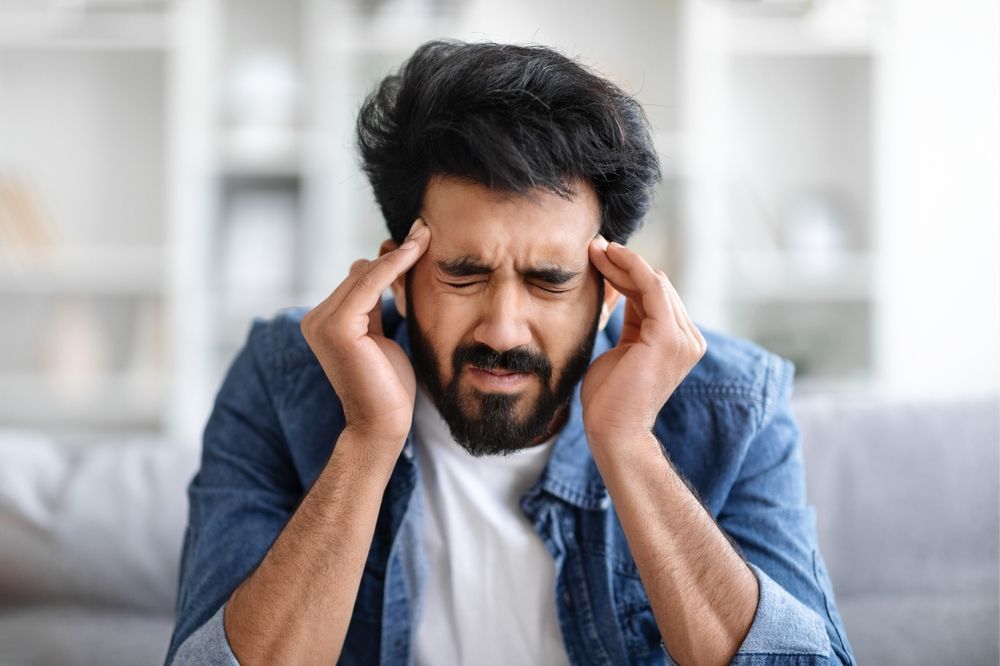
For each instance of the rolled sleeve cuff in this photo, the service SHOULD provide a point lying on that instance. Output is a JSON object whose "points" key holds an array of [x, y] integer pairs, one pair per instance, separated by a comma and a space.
{"points": [[207, 645], [784, 631]]}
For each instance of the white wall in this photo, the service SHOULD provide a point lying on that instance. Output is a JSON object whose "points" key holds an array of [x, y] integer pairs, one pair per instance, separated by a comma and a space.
{"points": [[938, 179]]}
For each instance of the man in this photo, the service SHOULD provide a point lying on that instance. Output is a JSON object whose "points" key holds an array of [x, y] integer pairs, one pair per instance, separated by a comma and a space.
{"points": [[530, 453]]}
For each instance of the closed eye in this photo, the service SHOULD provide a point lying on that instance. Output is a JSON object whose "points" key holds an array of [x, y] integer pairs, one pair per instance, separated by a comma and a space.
{"points": [[552, 291], [463, 285]]}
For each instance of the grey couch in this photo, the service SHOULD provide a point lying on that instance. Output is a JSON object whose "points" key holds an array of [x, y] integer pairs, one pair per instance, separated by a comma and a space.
{"points": [[906, 495]]}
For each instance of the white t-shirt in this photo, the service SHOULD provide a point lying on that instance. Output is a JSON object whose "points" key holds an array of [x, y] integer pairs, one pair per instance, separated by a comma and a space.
{"points": [[490, 595]]}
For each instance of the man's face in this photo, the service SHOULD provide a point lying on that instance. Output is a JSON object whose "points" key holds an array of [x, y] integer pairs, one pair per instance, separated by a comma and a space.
{"points": [[502, 310]]}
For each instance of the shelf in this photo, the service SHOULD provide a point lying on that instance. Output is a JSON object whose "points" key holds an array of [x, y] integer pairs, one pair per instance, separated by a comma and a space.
{"points": [[122, 399], [233, 314], [801, 276], [762, 46], [825, 31], [261, 152], [84, 31], [102, 270], [367, 38]]}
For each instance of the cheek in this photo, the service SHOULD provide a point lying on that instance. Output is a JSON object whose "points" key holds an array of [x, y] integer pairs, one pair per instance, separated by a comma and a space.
{"points": [[566, 327], [564, 335], [445, 322]]}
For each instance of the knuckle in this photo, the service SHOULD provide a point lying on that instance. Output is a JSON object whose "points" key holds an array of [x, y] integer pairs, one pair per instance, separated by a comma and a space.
{"points": [[366, 281]]}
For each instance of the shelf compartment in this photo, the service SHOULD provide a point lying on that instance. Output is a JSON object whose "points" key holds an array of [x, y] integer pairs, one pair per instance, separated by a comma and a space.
{"points": [[86, 269]]}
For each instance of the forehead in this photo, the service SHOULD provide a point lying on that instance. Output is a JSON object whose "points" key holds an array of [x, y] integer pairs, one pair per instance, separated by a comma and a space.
{"points": [[469, 219]]}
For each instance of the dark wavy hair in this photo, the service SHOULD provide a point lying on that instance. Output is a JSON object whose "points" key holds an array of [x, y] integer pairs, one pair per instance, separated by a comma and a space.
{"points": [[512, 118]]}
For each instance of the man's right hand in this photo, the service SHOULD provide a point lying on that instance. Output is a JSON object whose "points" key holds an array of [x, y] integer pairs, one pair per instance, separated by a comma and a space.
{"points": [[370, 373], [296, 606]]}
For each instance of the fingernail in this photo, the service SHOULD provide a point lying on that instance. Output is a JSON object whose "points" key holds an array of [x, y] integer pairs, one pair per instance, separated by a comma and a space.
{"points": [[602, 242], [409, 244], [616, 244], [418, 229]]}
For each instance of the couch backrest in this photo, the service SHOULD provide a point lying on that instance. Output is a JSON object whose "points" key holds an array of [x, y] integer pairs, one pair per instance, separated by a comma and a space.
{"points": [[908, 516]]}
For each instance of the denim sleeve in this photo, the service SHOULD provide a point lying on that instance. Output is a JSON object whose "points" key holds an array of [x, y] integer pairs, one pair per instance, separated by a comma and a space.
{"points": [[767, 517], [239, 501], [207, 645]]}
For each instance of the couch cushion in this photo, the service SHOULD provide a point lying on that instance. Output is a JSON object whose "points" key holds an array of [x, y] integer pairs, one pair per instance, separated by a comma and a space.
{"points": [[908, 515], [69, 635], [101, 523], [922, 629]]}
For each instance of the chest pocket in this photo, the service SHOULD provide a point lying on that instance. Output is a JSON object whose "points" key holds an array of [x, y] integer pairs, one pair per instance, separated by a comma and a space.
{"points": [[607, 549], [368, 603], [362, 642], [639, 629]]}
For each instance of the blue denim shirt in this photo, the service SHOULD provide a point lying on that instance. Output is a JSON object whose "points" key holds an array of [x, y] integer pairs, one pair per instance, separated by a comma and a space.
{"points": [[728, 429]]}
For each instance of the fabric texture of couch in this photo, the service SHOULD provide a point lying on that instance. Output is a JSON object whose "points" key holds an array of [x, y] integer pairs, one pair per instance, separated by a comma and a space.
{"points": [[907, 497]]}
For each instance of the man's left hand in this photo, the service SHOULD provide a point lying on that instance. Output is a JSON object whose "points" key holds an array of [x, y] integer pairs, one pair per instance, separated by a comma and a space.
{"points": [[625, 388]]}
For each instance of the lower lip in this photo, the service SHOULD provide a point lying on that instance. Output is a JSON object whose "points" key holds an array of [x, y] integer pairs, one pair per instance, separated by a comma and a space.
{"points": [[493, 382]]}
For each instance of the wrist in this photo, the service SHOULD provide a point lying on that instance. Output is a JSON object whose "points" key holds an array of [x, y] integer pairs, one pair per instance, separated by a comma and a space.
{"points": [[371, 449], [622, 447]]}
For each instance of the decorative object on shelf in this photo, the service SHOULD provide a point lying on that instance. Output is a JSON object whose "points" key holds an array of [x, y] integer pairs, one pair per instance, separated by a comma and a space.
{"points": [[816, 234], [263, 105], [75, 349], [259, 244], [27, 234], [264, 89], [144, 365]]}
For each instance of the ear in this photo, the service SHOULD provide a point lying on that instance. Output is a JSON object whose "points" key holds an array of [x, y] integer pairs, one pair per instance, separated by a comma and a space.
{"points": [[398, 285], [611, 297]]}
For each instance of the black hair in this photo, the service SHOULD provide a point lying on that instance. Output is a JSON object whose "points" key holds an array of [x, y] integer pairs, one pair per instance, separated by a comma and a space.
{"points": [[511, 118]]}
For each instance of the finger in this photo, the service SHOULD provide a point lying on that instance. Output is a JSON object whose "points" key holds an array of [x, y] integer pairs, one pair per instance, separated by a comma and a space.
{"points": [[684, 318], [375, 318], [381, 273], [680, 315], [649, 285], [360, 267], [617, 276], [692, 327]]}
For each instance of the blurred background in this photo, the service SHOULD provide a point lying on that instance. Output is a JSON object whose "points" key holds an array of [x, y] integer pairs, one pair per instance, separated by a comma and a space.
{"points": [[170, 169]]}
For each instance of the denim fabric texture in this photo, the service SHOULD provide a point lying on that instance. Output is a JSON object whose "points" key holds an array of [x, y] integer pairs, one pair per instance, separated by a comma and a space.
{"points": [[728, 429]]}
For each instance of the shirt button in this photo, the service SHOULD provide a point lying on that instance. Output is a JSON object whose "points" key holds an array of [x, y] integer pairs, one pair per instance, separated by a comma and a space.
{"points": [[567, 599]]}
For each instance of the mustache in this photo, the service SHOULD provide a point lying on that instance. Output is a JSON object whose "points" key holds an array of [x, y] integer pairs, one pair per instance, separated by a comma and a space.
{"points": [[512, 360]]}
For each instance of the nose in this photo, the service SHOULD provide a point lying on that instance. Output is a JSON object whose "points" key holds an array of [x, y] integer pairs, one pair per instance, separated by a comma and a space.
{"points": [[503, 323]]}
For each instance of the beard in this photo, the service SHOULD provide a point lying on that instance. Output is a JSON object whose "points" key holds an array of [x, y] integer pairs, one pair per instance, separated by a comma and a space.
{"points": [[486, 423]]}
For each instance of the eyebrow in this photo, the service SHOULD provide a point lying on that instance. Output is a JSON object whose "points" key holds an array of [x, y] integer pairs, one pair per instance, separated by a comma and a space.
{"points": [[468, 266]]}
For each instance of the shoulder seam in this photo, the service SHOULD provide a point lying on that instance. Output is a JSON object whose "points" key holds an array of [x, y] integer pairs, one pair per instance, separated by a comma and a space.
{"points": [[263, 351], [774, 374]]}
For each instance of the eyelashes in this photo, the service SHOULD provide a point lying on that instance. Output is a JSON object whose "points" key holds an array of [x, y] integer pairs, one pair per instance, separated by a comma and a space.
{"points": [[464, 285]]}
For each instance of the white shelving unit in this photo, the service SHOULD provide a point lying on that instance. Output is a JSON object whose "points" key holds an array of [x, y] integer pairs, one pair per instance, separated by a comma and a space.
{"points": [[195, 163], [83, 242], [780, 224]]}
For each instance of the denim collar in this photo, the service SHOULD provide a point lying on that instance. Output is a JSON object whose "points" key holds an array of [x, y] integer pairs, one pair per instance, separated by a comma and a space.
{"points": [[571, 473]]}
